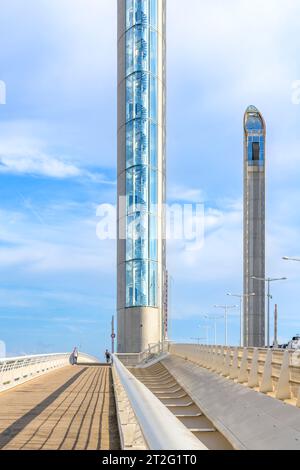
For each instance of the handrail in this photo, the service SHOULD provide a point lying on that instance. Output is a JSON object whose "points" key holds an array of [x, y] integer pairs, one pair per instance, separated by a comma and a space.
{"points": [[152, 352], [18, 358], [160, 428], [18, 370]]}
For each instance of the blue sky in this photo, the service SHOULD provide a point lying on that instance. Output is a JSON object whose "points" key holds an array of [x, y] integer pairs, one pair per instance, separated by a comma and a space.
{"points": [[58, 162]]}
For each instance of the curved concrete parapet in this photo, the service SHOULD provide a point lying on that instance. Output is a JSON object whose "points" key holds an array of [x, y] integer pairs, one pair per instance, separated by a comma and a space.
{"points": [[272, 371], [87, 359], [249, 420], [161, 430], [131, 436], [17, 370]]}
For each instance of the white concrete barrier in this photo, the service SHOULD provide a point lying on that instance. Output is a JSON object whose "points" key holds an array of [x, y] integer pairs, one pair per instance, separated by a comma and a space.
{"points": [[266, 385], [268, 370], [17, 370], [161, 430], [243, 371], [283, 390], [253, 377], [234, 369]]}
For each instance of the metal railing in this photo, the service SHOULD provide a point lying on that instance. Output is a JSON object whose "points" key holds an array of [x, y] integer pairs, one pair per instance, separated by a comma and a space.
{"points": [[271, 371], [161, 430], [152, 352], [129, 359], [17, 370]]}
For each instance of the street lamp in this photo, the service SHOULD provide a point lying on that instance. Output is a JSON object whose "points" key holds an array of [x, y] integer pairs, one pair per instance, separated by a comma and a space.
{"points": [[241, 297], [226, 308], [269, 280], [287, 258], [206, 328], [214, 318]]}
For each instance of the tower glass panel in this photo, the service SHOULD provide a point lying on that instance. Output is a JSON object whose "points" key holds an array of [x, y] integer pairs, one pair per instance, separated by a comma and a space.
{"points": [[255, 139], [141, 45], [141, 252]]}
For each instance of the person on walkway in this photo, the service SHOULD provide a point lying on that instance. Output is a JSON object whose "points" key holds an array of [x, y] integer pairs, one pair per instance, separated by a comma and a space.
{"points": [[107, 357], [75, 356]]}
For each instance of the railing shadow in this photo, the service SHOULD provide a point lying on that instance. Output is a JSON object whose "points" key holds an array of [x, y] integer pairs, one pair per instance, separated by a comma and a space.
{"points": [[17, 427]]}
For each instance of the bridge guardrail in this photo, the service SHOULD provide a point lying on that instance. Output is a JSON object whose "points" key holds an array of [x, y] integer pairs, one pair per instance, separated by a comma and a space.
{"points": [[18, 370], [160, 428], [271, 371], [153, 351]]}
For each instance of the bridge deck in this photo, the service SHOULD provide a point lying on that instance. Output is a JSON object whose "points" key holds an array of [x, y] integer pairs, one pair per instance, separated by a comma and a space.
{"points": [[72, 408]]}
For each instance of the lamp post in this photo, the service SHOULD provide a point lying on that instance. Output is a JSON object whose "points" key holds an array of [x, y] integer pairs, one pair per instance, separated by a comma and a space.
{"points": [[214, 318], [205, 327], [287, 258], [269, 280], [226, 308], [241, 297]]}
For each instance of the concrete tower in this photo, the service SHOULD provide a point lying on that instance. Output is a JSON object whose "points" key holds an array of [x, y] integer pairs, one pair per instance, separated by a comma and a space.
{"points": [[141, 172], [254, 227]]}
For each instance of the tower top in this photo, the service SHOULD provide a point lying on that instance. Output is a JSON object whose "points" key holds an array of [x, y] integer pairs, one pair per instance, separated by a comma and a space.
{"points": [[253, 120], [252, 109]]}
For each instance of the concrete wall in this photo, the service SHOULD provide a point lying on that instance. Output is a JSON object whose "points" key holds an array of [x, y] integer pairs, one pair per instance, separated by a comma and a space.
{"points": [[254, 256], [137, 328], [254, 249]]}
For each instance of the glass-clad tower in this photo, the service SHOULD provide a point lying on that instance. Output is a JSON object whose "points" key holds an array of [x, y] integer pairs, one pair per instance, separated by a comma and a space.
{"points": [[141, 172], [254, 227]]}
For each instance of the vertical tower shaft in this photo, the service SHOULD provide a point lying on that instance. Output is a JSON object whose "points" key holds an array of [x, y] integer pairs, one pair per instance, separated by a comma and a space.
{"points": [[254, 228], [141, 172]]}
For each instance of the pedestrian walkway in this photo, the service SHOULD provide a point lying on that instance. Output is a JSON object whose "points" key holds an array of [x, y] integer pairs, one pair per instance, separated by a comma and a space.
{"points": [[72, 408]]}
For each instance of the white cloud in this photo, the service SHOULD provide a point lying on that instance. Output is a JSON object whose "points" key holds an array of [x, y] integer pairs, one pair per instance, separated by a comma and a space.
{"points": [[232, 54], [38, 164], [38, 246], [184, 193], [245, 29], [22, 153], [218, 257]]}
